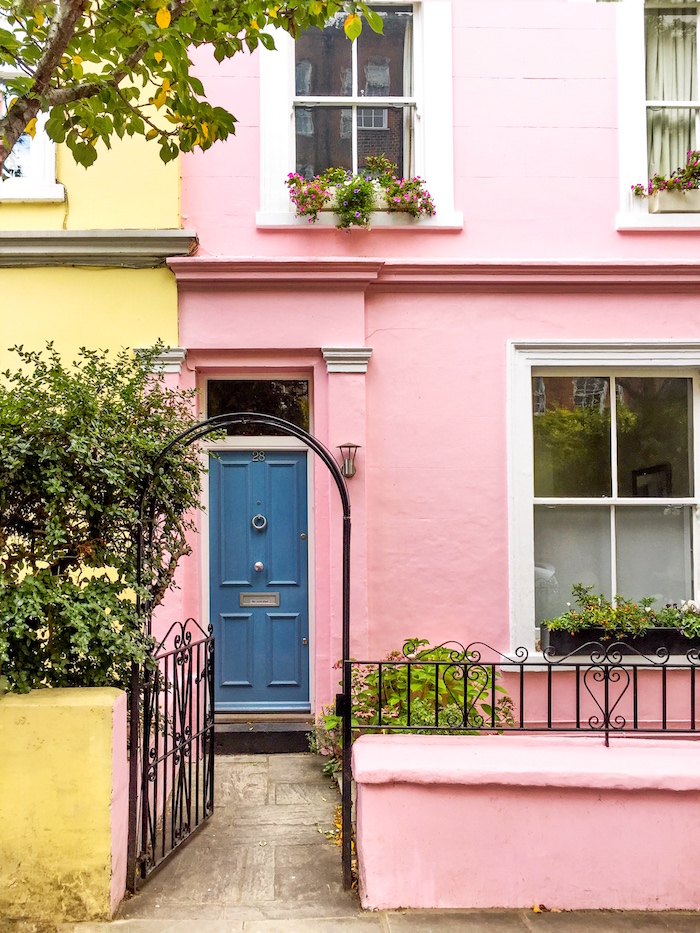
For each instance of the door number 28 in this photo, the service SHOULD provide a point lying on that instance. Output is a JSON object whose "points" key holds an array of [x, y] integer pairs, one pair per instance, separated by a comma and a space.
{"points": [[258, 455]]}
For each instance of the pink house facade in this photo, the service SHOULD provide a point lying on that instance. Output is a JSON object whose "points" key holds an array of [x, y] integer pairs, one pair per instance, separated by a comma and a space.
{"points": [[434, 344]]}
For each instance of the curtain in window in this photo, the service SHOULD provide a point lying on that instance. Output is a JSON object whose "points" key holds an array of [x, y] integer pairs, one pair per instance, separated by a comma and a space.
{"points": [[671, 52]]}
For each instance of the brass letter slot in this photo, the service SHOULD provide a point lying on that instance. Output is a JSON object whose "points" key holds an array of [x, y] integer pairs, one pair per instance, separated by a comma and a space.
{"points": [[258, 599]]}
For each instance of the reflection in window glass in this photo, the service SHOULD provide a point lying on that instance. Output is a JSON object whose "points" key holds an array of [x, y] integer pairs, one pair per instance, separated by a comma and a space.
{"points": [[327, 145], [328, 55], [654, 553], [283, 398], [572, 436], [654, 447], [572, 545], [384, 62]]}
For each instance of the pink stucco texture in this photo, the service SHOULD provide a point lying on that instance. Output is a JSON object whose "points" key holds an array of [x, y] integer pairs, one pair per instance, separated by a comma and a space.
{"points": [[505, 821], [120, 802]]}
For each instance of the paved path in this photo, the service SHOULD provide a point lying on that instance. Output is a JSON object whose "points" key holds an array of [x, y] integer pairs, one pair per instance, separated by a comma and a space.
{"points": [[263, 864]]}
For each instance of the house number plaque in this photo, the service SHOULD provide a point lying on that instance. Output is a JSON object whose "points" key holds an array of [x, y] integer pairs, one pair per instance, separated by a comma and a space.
{"points": [[259, 599]]}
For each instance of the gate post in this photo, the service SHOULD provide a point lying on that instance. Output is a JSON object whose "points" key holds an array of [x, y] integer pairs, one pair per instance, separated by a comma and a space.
{"points": [[134, 701]]}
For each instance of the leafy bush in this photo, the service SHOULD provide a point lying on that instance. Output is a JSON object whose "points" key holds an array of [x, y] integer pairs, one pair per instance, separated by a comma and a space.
{"points": [[624, 617], [458, 689], [79, 444]]}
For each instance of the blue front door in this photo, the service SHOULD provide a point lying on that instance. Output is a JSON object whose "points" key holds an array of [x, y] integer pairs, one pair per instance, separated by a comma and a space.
{"points": [[259, 579]]}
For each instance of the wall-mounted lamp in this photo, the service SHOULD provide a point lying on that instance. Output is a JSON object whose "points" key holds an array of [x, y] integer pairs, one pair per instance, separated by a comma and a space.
{"points": [[348, 465]]}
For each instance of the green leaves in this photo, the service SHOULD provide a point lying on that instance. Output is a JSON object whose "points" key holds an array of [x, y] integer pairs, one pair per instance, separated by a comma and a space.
{"points": [[120, 50], [78, 447]]}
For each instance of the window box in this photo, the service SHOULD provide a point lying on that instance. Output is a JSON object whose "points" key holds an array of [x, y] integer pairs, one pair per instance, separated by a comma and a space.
{"points": [[675, 202], [565, 643]]}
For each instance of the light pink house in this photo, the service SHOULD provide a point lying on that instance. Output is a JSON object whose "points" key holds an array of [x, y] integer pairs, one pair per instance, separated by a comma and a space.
{"points": [[447, 347], [428, 342]]}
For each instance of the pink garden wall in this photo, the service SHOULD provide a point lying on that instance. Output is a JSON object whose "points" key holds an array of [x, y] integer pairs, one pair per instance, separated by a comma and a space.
{"points": [[536, 177]]}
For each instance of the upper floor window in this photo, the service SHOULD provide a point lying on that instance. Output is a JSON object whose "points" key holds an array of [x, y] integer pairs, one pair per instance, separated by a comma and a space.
{"points": [[673, 102], [658, 104], [30, 170], [326, 102], [333, 79]]}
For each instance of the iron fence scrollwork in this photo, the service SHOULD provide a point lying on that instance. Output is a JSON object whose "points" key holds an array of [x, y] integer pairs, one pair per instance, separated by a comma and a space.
{"points": [[172, 751]]}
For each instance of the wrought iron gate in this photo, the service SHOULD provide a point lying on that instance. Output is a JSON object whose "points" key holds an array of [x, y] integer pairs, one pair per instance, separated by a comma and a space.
{"points": [[171, 747]]}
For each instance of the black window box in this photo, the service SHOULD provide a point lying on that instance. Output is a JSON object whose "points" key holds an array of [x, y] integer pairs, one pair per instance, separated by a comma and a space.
{"points": [[564, 643]]}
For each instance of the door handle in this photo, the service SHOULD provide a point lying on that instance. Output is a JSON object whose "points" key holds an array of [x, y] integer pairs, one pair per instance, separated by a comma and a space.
{"points": [[258, 565]]}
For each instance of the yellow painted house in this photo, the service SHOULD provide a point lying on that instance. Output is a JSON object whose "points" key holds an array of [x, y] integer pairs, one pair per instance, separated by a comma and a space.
{"points": [[82, 252]]}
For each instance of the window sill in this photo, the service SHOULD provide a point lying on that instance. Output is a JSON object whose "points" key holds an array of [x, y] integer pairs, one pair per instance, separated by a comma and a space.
{"points": [[654, 222], [286, 220], [16, 192]]}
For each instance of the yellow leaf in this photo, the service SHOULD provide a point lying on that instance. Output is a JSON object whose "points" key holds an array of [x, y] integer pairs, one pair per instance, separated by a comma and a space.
{"points": [[39, 17], [30, 128], [254, 24], [77, 60], [316, 7], [536, 909], [163, 18], [205, 130], [159, 99], [158, 57], [166, 85], [151, 134], [273, 12]]}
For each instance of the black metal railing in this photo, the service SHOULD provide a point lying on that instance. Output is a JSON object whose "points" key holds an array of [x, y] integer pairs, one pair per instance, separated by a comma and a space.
{"points": [[604, 688], [172, 754]]}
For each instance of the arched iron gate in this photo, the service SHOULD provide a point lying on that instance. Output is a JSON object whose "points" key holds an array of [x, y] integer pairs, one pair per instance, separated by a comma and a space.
{"points": [[171, 744]]}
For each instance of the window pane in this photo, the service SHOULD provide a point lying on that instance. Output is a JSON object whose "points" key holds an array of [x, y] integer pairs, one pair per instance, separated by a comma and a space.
{"points": [[324, 61], [572, 545], [385, 62], [572, 435], [322, 139], [654, 553], [385, 140], [17, 163], [288, 399], [671, 74], [654, 448]]}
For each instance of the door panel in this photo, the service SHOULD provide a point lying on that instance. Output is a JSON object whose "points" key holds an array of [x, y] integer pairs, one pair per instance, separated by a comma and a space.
{"points": [[258, 518]]}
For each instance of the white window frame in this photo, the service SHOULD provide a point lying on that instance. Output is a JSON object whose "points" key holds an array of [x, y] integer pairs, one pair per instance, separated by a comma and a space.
{"points": [[681, 359], [632, 126], [433, 125], [40, 183]]}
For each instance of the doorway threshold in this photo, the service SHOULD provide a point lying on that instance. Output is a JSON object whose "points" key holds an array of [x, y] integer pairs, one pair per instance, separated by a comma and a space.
{"points": [[261, 733]]}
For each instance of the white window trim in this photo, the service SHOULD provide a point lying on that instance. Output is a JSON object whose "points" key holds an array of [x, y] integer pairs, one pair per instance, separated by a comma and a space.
{"points": [[434, 156], [632, 126], [681, 358], [40, 183]]}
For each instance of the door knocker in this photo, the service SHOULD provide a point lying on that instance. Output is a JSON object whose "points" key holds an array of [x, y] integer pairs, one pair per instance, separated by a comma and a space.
{"points": [[259, 522]]}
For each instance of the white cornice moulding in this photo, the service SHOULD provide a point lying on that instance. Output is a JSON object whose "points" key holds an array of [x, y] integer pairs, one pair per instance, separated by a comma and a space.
{"points": [[169, 360], [131, 249], [346, 359]]}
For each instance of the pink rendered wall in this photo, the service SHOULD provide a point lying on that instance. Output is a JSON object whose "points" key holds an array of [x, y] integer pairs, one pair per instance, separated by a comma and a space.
{"points": [[120, 803], [535, 145], [506, 821]]}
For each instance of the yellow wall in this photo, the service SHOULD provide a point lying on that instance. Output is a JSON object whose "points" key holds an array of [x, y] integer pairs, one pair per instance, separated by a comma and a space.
{"points": [[128, 187], [97, 308], [55, 800]]}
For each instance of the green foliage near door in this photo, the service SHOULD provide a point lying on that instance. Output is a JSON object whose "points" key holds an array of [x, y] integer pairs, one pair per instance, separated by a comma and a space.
{"points": [[78, 444]]}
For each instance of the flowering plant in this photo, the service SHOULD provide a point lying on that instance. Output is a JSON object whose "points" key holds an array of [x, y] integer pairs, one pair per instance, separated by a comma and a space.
{"points": [[683, 179], [356, 196], [624, 617], [440, 695], [408, 195]]}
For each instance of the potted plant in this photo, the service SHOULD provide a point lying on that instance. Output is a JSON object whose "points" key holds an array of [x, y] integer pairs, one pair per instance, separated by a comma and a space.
{"points": [[353, 198], [593, 618], [678, 194]]}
